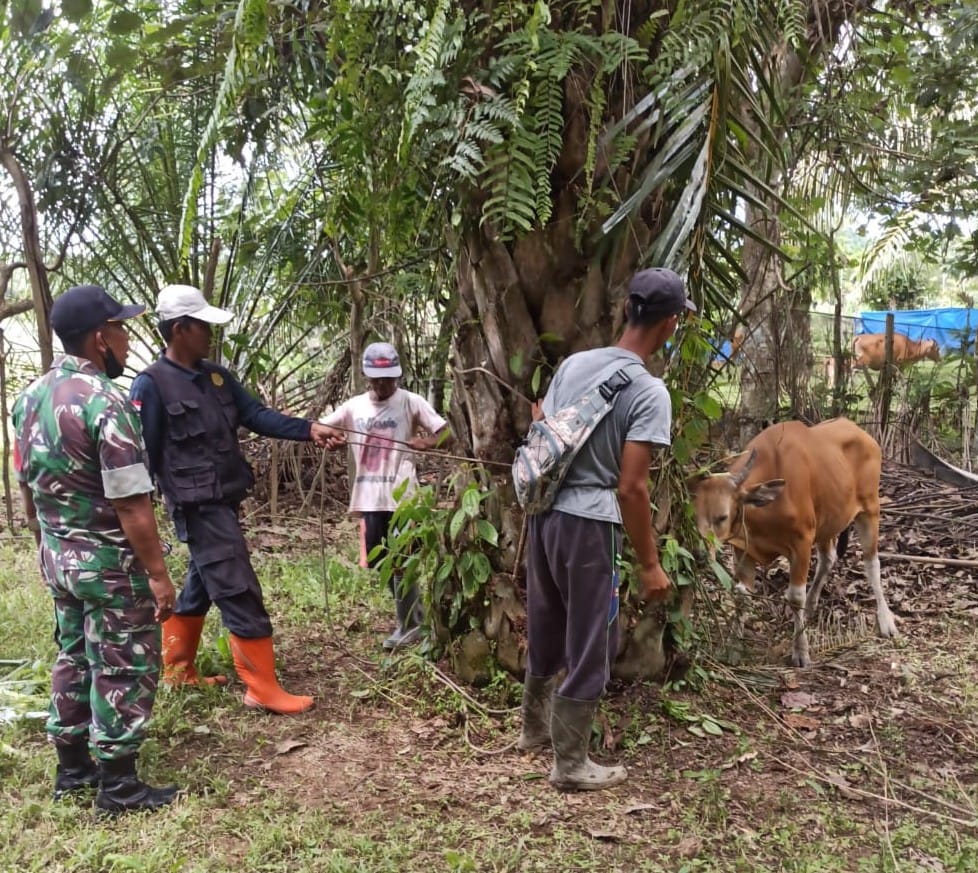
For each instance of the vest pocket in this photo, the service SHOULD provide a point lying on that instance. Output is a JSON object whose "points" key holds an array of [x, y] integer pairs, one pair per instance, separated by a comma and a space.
{"points": [[195, 484], [185, 420]]}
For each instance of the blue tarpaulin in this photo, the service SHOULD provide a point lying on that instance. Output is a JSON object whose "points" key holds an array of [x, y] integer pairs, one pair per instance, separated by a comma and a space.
{"points": [[949, 326], [724, 352]]}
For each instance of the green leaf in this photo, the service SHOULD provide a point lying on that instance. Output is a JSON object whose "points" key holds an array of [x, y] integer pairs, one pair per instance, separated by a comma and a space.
{"points": [[445, 568], [121, 57], [676, 709], [124, 21], [456, 524], [75, 10], [681, 450], [79, 70], [487, 532], [470, 502], [711, 727], [709, 406], [721, 573], [481, 568], [254, 21]]}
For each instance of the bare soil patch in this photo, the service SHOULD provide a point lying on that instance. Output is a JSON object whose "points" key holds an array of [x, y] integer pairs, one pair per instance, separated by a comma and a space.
{"points": [[877, 737]]}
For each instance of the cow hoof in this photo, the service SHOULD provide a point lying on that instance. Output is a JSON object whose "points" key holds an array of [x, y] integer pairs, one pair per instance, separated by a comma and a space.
{"points": [[795, 598], [887, 626], [799, 659]]}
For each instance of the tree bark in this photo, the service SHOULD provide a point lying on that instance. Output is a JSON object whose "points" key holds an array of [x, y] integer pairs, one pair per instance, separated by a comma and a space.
{"points": [[33, 255], [522, 307]]}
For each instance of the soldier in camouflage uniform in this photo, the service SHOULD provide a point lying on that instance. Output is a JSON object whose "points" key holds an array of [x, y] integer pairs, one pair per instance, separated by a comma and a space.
{"points": [[79, 462]]}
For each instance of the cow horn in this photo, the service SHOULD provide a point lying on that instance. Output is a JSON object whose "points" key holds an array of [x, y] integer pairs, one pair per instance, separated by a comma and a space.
{"points": [[738, 478]]}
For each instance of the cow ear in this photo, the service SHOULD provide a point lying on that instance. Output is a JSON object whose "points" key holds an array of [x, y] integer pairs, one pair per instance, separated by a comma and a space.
{"points": [[764, 492], [693, 480]]}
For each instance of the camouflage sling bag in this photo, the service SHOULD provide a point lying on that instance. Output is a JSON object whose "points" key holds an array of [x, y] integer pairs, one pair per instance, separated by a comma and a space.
{"points": [[551, 444]]}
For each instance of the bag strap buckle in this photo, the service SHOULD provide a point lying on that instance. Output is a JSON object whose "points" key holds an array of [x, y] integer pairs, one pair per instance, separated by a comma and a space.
{"points": [[614, 383]]}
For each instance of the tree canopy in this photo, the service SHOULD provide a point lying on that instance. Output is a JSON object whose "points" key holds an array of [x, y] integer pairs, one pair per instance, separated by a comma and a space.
{"points": [[476, 181]]}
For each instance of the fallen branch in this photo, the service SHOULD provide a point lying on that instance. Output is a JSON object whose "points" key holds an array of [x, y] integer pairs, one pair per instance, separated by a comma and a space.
{"points": [[925, 559], [811, 772]]}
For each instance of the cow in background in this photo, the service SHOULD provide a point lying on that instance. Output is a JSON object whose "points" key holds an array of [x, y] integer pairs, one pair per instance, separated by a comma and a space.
{"points": [[795, 487], [869, 350]]}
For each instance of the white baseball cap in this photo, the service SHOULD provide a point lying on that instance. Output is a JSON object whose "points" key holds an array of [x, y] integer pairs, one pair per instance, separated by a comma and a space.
{"points": [[176, 301]]}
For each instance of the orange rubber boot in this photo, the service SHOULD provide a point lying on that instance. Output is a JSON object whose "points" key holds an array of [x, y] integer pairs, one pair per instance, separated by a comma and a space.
{"points": [[255, 662], [181, 636]]}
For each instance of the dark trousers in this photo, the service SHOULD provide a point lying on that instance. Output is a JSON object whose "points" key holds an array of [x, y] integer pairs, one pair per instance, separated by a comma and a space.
{"points": [[375, 528], [572, 601], [220, 570]]}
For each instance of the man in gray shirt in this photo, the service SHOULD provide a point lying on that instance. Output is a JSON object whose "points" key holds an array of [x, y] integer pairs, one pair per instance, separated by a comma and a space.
{"points": [[574, 548]]}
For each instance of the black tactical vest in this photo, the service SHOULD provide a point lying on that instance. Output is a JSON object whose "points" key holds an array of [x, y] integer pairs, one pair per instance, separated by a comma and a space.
{"points": [[201, 461]]}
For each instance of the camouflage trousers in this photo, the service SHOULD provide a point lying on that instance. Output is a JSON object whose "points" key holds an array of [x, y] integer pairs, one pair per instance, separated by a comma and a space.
{"points": [[104, 680]]}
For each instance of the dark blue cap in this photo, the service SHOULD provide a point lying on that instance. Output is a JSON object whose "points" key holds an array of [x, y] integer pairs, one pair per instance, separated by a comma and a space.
{"points": [[85, 307], [658, 293]]}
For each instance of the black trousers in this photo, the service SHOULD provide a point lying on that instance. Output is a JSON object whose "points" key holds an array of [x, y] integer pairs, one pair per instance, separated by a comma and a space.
{"points": [[220, 570]]}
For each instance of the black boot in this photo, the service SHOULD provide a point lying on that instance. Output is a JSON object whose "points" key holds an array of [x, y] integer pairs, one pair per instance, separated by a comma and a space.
{"points": [[76, 770], [122, 791]]}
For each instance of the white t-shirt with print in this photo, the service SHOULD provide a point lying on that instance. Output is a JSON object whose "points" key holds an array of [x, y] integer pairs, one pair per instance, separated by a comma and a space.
{"points": [[381, 427]]}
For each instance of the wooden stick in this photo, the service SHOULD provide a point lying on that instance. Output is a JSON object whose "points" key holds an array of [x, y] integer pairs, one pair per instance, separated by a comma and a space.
{"points": [[924, 559]]}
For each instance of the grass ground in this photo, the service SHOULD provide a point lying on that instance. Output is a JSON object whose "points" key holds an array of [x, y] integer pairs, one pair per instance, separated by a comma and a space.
{"points": [[866, 762]]}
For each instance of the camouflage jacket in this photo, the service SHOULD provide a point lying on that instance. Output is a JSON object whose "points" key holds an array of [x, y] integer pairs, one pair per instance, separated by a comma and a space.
{"points": [[78, 445]]}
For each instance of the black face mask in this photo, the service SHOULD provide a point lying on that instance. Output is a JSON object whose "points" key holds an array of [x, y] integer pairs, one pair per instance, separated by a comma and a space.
{"points": [[113, 369]]}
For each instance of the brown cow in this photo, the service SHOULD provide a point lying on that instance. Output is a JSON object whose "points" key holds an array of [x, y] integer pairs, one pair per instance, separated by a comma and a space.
{"points": [[869, 350], [795, 487]]}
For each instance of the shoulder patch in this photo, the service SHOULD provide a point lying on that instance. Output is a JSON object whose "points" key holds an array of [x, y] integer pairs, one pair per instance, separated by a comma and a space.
{"points": [[217, 379]]}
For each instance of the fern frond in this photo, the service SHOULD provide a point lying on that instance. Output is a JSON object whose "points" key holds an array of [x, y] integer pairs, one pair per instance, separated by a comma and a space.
{"points": [[499, 109], [510, 181], [419, 91], [467, 160]]}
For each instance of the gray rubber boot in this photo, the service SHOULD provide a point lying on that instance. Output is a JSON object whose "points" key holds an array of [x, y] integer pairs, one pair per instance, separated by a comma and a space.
{"points": [[570, 729], [409, 615], [537, 699]]}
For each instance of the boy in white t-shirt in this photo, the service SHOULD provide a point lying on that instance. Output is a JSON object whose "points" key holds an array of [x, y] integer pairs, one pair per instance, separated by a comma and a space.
{"points": [[382, 428]]}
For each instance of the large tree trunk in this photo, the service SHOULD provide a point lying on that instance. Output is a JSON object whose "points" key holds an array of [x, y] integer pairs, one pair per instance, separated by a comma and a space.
{"points": [[524, 306], [760, 308], [33, 254], [776, 352]]}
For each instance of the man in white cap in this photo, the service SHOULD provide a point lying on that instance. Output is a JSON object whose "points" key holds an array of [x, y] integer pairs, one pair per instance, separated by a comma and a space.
{"points": [[384, 425], [191, 410]]}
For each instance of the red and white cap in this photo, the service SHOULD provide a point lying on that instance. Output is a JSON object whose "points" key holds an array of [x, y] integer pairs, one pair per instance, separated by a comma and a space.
{"points": [[380, 361]]}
